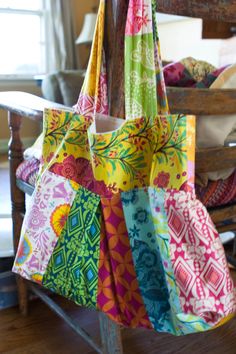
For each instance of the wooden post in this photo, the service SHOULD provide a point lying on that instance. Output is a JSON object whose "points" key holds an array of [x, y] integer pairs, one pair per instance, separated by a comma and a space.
{"points": [[15, 155], [109, 33], [116, 14], [110, 335], [115, 20]]}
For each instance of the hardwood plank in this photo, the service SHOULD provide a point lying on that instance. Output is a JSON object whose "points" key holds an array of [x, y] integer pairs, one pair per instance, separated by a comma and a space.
{"points": [[43, 332], [201, 101], [220, 10]]}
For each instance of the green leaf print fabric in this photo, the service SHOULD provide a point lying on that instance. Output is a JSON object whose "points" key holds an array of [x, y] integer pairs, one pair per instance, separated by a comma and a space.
{"points": [[73, 268]]}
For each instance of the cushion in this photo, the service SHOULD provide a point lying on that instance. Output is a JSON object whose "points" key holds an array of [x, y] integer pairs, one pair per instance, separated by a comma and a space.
{"points": [[51, 89], [70, 83], [218, 193], [28, 170], [190, 72], [223, 129]]}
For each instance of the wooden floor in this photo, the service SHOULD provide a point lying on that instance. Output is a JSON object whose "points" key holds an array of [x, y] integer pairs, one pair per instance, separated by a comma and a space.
{"points": [[42, 332]]}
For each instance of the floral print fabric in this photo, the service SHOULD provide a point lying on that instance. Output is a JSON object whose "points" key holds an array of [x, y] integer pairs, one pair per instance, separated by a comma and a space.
{"points": [[121, 220], [146, 151], [46, 217], [145, 93]]}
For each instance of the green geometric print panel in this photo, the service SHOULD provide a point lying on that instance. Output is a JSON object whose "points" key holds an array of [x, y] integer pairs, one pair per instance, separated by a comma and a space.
{"points": [[73, 267]]}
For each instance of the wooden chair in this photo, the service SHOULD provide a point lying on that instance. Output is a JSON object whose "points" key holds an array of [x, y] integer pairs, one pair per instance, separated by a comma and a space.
{"points": [[190, 101]]}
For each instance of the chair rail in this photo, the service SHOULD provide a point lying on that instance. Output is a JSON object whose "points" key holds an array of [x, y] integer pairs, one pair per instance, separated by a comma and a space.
{"points": [[201, 101], [26, 105], [218, 10], [214, 159]]}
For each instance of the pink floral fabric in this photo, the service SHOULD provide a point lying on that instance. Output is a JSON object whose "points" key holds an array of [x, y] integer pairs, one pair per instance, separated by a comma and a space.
{"points": [[80, 171], [139, 17]]}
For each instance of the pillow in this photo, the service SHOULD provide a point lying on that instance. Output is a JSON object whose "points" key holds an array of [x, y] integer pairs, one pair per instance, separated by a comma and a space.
{"points": [[215, 131], [70, 83], [50, 88], [198, 69]]}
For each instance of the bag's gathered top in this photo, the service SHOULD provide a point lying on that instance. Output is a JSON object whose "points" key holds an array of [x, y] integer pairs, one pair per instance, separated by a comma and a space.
{"points": [[114, 223]]}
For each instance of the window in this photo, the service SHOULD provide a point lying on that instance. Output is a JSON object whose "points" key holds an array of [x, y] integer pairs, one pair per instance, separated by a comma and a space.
{"points": [[22, 38]]}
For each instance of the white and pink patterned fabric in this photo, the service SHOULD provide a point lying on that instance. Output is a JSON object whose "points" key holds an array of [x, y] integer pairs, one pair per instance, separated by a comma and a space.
{"points": [[52, 196]]}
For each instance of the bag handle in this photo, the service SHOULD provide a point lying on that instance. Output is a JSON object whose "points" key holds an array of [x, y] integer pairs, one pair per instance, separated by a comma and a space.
{"points": [[93, 96], [145, 93]]}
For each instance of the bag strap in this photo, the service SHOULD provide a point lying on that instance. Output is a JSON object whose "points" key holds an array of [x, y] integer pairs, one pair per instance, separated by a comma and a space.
{"points": [[145, 92], [93, 96]]}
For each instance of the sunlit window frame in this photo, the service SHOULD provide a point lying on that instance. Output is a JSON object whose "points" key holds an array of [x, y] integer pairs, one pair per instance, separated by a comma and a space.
{"points": [[43, 15]]}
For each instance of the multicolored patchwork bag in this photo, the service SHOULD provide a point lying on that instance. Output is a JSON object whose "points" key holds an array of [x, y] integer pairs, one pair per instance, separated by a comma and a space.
{"points": [[114, 223]]}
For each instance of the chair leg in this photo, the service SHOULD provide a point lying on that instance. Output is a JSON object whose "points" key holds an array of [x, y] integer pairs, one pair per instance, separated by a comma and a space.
{"points": [[15, 154], [234, 245], [110, 335]]}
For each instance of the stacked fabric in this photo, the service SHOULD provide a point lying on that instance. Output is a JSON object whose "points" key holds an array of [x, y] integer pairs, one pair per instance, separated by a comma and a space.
{"points": [[217, 188]]}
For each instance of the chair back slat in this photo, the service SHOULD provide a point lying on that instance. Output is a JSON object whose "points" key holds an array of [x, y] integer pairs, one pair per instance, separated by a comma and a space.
{"points": [[215, 159], [219, 10], [202, 101]]}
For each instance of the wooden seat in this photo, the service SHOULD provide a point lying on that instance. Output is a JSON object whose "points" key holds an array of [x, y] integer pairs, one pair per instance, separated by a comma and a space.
{"points": [[188, 101]]}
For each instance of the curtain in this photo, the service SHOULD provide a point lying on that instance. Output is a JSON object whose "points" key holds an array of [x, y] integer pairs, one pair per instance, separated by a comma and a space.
{"points": [[61, 35]]}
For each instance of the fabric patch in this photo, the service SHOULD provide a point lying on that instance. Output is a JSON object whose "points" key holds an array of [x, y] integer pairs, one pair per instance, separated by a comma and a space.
{"points": [[24, 252], [39, 235], [145, 94], [147, 258], [118, 290], [180, 323], [198, 259], [65, 141], [143, 152], [73, 267], [174, 152]]}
